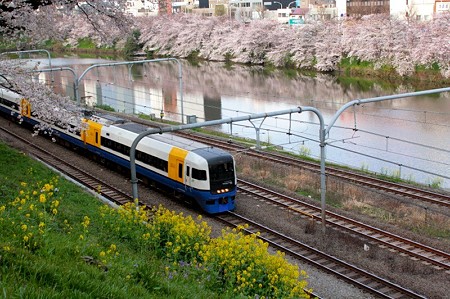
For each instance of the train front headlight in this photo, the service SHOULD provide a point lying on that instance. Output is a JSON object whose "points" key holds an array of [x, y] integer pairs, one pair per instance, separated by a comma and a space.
{"points": [[222, 190]]}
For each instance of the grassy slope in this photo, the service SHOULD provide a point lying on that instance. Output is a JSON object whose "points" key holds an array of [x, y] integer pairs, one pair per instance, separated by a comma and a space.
{"points": [[56, 267]]}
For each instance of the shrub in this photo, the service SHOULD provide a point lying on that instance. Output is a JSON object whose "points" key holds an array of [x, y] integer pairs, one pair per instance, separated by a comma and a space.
{"points": [[132, 44], [241, 264]]}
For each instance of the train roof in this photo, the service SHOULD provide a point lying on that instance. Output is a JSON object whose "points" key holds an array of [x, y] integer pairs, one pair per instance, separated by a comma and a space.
{"points": [[107, 119], [168, 138], [213, 155]]}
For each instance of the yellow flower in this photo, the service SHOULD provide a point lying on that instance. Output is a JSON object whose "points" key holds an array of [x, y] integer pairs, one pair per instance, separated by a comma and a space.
{"points": [[42, 198], [86, 221], [81, 237], [102, 253], [24, 227]]}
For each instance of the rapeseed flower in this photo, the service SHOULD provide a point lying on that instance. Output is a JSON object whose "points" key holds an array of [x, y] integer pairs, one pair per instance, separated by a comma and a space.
{"points": [[243, 263], [86, 222]]}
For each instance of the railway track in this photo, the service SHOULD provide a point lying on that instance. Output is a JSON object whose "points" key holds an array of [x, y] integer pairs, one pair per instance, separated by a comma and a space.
{"points": [[403, 190], [358, 277], [406, 191], [72, 171], [109, 192], [354, 275], [430, 256]]}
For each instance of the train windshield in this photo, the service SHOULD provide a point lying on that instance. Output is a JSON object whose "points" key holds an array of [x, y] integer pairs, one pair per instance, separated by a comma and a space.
{"points": [[222, 171]]}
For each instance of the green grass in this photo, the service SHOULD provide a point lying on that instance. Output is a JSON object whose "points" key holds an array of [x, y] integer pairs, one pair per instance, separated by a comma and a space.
{"points": [[104, 107], [58, 241], [56, 267], [86, 43]]}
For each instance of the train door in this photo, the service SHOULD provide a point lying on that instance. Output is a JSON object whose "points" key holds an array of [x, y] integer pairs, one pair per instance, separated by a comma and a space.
{"points": [[91, 133], [188, 177], [176, 164], [25, 108], [180, 165]]}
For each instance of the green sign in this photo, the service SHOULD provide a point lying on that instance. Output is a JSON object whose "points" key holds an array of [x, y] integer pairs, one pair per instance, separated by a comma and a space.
{"points": [[296, 21]]}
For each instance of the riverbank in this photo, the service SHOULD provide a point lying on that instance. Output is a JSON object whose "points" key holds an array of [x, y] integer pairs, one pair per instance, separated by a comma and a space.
{"points": [[421, 79]]}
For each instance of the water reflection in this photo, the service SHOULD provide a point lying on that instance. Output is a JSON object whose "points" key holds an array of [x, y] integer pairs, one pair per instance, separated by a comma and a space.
{"points": [[399, 136]]}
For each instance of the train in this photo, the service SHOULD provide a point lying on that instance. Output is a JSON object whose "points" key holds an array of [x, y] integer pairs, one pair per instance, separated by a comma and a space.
{"points": [[202, 174]]}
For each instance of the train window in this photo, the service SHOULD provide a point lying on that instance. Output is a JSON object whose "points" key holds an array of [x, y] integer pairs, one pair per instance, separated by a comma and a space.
{"points": [[96, 137], [188, 170], [221, 171], [151, 160], [108, 143], [199, 174], [180, 170]]}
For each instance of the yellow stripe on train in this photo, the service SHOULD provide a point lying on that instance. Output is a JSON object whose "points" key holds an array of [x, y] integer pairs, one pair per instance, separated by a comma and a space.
{"points": [[91, 132], [177, 157], [25, 107]]}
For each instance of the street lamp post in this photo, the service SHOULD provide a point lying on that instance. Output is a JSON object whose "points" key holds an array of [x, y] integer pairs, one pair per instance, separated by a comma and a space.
{"points": [[289, 5], [281, 5]]}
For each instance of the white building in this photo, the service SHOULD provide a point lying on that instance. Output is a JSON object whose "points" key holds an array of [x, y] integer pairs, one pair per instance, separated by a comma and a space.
{"points": [[341, 7], [442, 6], [139, 8], [246, 10], [415, 9]]}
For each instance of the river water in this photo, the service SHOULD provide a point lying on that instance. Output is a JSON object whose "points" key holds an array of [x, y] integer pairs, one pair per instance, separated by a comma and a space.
{"points": [[409, 137]]}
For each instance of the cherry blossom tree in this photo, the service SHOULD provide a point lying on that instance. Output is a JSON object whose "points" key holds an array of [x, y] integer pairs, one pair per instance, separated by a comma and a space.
{"points": [[401, 45], [46, 105], [385, 41], [382, 40], [32, 22], [29, 23]]}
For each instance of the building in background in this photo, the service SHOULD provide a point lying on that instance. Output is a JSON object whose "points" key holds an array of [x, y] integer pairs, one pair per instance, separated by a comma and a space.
{"points": [[139, 8], [298, 10], [412, 9], [358, 8]]}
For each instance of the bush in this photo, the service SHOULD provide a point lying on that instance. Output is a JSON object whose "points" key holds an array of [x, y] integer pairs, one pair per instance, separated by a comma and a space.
{"points": [[131, 45], [241, 264]]}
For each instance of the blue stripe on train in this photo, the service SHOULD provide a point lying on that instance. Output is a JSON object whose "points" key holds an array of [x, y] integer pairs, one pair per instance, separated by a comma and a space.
{"points": [[207, 201], [210, 203]]}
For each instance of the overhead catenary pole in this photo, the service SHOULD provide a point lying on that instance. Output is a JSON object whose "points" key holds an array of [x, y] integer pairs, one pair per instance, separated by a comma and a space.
{"points": [[379, 99], [75, 87], [180, 75], [32, 51], [136, 141]]}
